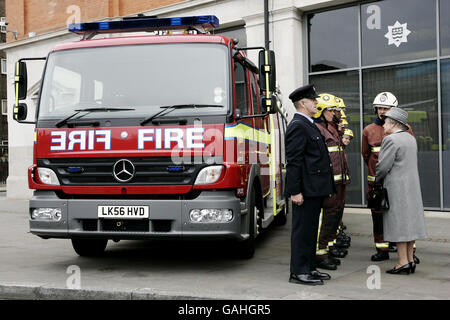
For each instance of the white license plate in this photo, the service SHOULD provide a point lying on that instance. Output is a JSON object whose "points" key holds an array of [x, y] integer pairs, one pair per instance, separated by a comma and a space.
{"points": [[123, 212]]}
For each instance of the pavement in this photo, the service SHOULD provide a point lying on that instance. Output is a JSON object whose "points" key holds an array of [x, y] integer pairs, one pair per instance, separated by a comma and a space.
{"points": [[33, 268]]}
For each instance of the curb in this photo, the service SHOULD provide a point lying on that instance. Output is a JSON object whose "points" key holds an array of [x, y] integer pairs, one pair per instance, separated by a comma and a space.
{"points": [[39, 292], [36, 292]]}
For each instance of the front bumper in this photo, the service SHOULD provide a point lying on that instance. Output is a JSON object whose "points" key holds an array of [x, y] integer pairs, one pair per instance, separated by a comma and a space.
{"points": [[168, 218]]}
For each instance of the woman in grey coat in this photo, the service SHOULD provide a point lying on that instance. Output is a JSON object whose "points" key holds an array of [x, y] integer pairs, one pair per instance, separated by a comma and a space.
{"points": [[404, 222]]}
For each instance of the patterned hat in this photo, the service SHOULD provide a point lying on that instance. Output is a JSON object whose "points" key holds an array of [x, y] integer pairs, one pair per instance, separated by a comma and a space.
{"points": [[397, 114]]}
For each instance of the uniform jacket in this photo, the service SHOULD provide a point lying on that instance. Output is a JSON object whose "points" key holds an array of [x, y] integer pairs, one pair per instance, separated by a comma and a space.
{"points": [[336, 150], [309, 169], [397, 167], [372, 137]]}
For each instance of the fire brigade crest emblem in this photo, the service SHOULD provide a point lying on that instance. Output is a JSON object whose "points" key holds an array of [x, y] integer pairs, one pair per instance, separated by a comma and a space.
{"points": [[397, 34]]}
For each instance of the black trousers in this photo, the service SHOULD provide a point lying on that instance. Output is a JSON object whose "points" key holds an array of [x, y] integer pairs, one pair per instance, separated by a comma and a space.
{"points": [[377, 220], [305, 223]]}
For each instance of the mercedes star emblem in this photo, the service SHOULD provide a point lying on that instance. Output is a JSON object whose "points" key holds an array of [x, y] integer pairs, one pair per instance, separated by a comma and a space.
{"points": [[123, 170]]}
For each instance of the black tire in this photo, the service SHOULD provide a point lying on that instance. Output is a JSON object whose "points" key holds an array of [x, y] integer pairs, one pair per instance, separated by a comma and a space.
{"points": [[246, 249], [89, 247]]}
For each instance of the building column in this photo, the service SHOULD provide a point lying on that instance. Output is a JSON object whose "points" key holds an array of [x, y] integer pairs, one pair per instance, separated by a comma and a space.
{"points": [[285, 32]]}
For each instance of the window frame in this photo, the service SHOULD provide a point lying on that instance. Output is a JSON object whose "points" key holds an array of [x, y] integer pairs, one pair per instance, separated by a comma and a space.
{"points": [[246, 86], [360, 68], [254, 94], [4, 68], [4, 107]]}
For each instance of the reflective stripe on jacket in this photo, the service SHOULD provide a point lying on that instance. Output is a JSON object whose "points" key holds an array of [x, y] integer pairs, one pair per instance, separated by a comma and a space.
{"points": [[336, 150]]}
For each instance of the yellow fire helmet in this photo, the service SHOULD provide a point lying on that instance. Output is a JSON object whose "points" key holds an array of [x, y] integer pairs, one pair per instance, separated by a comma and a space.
{"points": [[325, 101], [348, 132], [340, 102], [344, 118]]}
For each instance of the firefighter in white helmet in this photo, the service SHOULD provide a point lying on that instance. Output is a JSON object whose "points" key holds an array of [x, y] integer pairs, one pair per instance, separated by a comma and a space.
{"points": [[372, 137]]}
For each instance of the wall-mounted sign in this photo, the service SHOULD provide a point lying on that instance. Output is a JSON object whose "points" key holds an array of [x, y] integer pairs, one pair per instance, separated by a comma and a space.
{"points": [[397, 34]]}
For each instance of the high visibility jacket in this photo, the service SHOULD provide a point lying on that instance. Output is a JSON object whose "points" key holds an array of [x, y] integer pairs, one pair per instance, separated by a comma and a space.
{"points": [[372, 137], [336, 150]]}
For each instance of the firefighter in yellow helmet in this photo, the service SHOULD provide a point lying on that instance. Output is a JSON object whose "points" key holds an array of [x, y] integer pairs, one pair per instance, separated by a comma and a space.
{"points": [[340, 114], [347, 136], [326, 121], [340, 239]]}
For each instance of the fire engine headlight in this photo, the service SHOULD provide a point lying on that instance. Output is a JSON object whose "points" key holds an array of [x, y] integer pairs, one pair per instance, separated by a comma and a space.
{"points": [[208, 175], [48, 176], [46, 214], [211, 215]]}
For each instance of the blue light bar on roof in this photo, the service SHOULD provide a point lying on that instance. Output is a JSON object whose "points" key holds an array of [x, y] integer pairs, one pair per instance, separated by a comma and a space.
{"points": [[147, 24]]}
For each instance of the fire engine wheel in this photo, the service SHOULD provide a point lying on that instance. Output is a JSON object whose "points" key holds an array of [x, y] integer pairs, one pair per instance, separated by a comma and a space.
{"points": [[247, 248], [89, 247]]}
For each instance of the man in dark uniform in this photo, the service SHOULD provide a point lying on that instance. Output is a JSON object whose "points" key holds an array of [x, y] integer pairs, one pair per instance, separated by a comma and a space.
{"points": [[309, 180]]}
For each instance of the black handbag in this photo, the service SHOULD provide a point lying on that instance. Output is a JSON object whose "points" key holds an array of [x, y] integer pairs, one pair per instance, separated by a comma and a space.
{"points": [[378, 199]]}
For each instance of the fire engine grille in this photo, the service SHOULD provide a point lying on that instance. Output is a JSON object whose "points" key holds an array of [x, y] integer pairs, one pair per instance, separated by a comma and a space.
{"points": [[99, 171]]}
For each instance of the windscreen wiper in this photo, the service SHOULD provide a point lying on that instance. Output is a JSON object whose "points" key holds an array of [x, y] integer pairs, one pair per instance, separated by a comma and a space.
{"points": [[166, 109], [88, 110]]}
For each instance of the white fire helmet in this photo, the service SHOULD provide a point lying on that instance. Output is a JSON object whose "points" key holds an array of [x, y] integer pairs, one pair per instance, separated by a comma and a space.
{"points": [[385, 99]]}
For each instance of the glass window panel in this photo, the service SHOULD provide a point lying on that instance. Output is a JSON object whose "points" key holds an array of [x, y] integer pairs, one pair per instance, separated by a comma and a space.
{"points": [[240, 74], [386, 41], [445, 89], [346, 86], [3, 67], [415, 86], [255, 100], [444, 8], [333, 39]]}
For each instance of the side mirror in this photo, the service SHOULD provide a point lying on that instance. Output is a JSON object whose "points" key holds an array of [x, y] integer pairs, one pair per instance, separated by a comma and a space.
{"points": [[20, 80], [20, 112], [267, 69], [269, 105]]}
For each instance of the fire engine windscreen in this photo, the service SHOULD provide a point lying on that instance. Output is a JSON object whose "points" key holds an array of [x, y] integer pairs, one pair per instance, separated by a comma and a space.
{"points": [[141, 77]]}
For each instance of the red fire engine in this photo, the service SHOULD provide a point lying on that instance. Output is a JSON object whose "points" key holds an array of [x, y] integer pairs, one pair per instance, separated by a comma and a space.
{"points": [[174, 135]]}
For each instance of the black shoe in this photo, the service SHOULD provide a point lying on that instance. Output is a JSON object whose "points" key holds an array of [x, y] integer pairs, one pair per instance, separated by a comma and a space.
{"points": [[305, 279], [326, 264], [320, 275], [342, 234], [337, 253], [406, 269], [412, 265], [344, 238], [336, 261], [416, 260], [380, 256], [342, 244]]}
